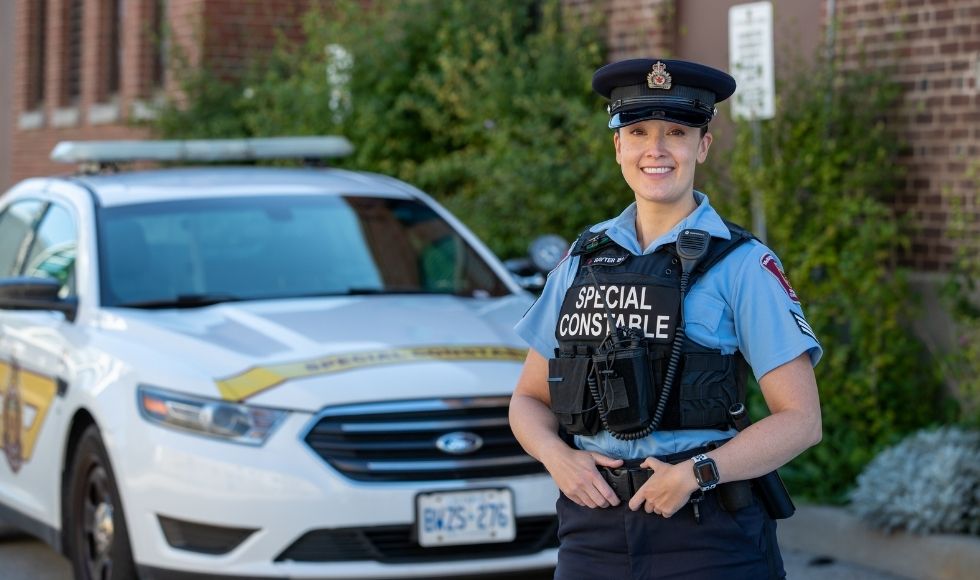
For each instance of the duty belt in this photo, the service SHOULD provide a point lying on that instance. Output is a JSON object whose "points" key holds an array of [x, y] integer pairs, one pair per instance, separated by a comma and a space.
{"points": [[626, 480]]}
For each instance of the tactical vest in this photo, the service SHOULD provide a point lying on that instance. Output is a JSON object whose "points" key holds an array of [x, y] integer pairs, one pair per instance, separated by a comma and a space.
{"points": [[614, 288]]}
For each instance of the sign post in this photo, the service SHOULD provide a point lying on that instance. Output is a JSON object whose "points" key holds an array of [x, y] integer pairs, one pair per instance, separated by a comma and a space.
{"points": [[750, 55]]}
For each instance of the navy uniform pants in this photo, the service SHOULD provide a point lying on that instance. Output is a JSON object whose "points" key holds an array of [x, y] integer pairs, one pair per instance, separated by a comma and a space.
{"points": [[618, 543]]}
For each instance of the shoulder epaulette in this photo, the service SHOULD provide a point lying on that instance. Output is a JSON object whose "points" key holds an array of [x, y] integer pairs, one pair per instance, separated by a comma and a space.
{"points": [[589, 241], [737, 230], [720, 248]]}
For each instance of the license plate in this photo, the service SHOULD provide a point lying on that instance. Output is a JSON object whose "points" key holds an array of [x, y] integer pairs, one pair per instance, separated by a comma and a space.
{"points": [[476, 516]]}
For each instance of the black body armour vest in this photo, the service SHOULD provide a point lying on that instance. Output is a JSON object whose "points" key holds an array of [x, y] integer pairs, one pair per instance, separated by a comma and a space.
{"points": [[641, 296]]}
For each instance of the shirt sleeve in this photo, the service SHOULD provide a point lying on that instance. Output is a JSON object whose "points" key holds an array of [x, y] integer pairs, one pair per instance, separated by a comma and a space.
{"points": [[769, 322], [537, 328]]}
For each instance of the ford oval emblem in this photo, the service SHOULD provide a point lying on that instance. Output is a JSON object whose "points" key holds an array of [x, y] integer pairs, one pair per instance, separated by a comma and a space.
{"points": [[459, 443]]}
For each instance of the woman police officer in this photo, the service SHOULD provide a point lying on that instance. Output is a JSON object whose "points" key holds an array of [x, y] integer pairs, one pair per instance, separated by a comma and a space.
{"points": [[637, 343]]}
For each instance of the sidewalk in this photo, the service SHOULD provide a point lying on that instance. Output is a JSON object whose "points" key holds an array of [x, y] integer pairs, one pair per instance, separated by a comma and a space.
{"points": [[836, 533]]}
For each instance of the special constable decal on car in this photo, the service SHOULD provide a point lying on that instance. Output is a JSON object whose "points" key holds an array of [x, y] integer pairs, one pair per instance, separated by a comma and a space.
{"points": [[768, 262], [26, 397], [258, 379]]}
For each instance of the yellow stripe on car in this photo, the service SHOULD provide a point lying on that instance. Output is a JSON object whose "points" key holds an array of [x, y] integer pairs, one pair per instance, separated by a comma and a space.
{"points": [[249, 383]]}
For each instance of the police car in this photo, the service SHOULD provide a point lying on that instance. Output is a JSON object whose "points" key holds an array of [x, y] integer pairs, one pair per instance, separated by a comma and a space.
{"points": [[259, 372]]}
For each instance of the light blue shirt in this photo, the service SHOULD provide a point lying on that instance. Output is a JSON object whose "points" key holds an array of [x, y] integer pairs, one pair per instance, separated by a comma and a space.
{"points": [[743, 303]]}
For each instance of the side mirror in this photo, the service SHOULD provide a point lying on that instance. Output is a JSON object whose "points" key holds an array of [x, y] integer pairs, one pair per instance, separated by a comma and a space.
{"points": [[28, 293], [544, 254]]}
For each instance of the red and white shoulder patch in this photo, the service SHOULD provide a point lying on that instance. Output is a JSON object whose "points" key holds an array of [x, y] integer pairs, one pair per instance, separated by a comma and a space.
{"points": [[768, 263]]}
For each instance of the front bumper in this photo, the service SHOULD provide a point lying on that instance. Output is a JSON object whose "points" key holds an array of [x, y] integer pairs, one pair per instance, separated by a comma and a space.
{"points": [[309, 521]]}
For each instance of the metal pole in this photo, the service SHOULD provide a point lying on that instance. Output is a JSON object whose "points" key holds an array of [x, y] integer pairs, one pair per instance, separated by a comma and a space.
{"points": [[831, 30], [758, 201]]}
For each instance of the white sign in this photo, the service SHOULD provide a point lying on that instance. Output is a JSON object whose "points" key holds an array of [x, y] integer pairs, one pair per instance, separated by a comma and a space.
{"points": [[750, 60]]}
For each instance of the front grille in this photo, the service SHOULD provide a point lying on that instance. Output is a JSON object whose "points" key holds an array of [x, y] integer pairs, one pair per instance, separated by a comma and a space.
{"points": [[396, 544], [396, 441]]}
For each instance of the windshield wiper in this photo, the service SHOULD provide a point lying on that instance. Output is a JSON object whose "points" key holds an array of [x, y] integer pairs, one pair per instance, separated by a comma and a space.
{"points": [[183, 301]]}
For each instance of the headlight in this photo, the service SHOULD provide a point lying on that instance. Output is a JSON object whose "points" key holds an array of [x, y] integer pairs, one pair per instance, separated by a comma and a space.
{"points": [[235, 422]]}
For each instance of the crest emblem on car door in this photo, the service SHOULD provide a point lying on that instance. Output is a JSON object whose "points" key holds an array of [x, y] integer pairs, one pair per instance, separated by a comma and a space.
{"points": [[13, 420]]}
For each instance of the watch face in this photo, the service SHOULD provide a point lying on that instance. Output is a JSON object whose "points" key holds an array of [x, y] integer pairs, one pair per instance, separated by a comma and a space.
{"points": [[706, 472]]}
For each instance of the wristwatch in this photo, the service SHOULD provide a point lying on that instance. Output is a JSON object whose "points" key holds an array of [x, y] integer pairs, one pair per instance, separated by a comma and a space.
{"points": [[705, 472]]}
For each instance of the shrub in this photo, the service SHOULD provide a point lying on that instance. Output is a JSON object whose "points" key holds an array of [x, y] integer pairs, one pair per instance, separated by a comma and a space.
{"points": [[928, 483]]}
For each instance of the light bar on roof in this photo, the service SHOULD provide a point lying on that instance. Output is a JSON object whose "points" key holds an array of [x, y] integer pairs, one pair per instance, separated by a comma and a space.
{"points": [[202, 150]]}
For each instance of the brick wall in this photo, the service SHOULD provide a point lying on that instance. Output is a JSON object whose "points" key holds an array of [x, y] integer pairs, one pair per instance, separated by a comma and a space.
{"points": [[634, 28], [931, 47], [224, 34], [236, 31]]}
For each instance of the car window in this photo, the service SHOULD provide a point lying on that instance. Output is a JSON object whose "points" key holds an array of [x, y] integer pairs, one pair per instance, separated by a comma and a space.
{"points": [[284, 246], [15, 226], [52, 252]]}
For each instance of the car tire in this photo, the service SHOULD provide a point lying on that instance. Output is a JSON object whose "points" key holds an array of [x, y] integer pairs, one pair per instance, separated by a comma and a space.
{"points": [[97, 536]]}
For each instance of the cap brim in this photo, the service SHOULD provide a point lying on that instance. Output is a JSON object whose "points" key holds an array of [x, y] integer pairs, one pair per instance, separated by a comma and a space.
{"points": [[685, 117]]}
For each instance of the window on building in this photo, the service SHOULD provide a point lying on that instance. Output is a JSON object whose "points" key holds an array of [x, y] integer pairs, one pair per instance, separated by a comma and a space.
{"points": [[113, 52], [73, 52], [159, 45], [37, 18]]}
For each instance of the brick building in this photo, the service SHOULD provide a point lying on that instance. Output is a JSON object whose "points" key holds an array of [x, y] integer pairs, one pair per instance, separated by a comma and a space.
{"points": [[89, 69]]}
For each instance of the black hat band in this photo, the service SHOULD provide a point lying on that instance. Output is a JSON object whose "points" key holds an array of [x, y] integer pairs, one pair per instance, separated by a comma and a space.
{"points": [[641, 95]]}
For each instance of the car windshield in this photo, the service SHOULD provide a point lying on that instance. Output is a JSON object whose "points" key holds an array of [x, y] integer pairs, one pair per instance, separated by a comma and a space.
{"points": [[197, 252]]}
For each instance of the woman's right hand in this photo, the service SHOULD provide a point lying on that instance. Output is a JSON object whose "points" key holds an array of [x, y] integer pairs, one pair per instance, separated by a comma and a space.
{"points": [[575, 473]]}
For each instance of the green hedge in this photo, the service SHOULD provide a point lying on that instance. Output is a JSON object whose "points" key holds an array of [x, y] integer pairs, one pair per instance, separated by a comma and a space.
{"points": [[488, 107]]}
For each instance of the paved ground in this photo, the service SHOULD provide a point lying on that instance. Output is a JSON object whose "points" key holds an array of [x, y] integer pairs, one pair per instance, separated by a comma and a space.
{"points": [[23, 558], [806, 566]]}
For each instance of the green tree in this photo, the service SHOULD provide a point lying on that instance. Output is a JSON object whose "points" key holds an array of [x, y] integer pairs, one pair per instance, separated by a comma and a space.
{"points": [[485, 105], [828, 170], [961, 291]]}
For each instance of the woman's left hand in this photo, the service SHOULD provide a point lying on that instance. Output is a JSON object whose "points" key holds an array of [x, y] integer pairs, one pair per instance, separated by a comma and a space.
{"points": [[667, 490]]}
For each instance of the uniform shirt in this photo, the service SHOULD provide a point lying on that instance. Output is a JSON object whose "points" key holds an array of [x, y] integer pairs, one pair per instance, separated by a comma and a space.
{"points": [[742, 303]]}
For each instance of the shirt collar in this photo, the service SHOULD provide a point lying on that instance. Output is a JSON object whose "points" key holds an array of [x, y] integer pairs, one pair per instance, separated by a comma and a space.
{"points": [[622, 229]]}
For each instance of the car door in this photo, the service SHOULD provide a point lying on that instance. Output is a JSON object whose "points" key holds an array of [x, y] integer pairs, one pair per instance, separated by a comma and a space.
{"points": [[42, 236]]}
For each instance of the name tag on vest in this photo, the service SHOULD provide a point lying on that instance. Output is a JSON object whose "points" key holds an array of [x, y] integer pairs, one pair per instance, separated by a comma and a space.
{"points": [[590, 312]]}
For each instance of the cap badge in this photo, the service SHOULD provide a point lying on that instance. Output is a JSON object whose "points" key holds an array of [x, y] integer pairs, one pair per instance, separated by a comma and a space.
{"points": [[659, 78]]}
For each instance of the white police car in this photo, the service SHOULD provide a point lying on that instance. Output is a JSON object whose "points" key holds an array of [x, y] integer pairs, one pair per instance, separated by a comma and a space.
{"points": [[259, 372]]}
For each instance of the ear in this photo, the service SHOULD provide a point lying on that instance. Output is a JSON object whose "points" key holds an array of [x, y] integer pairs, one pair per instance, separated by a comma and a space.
{"points": [[703, 147], [617, 144]]}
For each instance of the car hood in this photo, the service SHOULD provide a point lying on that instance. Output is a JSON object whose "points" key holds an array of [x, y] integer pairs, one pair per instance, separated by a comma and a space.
{"points": [[305, 354]]}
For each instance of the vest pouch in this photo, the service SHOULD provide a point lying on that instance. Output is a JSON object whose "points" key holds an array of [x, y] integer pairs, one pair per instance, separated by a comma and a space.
{"points": [[626, 389], [571, 401], [709, 387]]}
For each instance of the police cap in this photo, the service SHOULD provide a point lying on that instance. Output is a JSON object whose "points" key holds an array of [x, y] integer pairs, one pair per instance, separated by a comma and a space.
{"points": [[680, 91]]}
